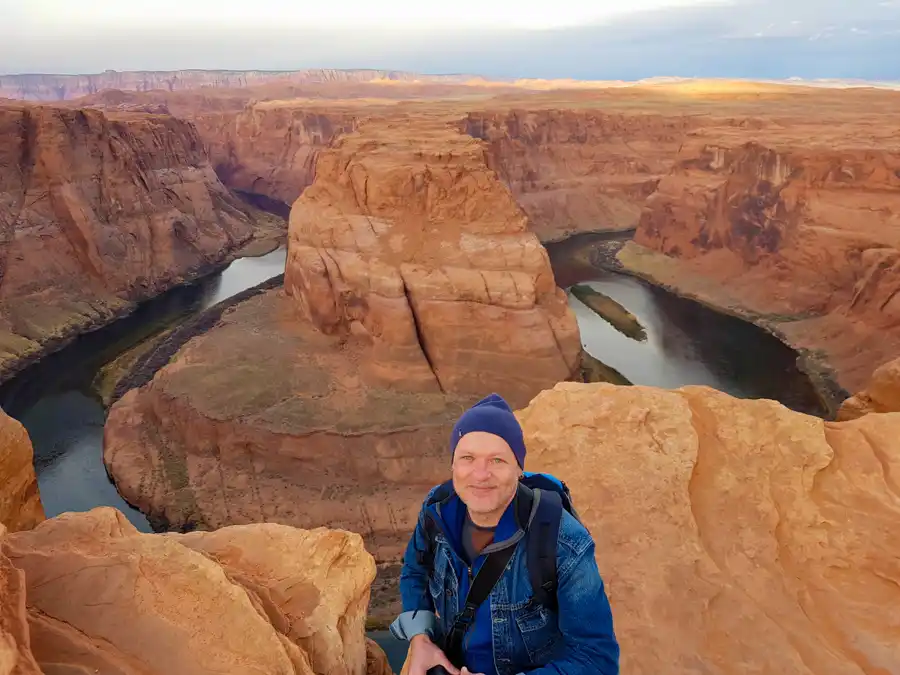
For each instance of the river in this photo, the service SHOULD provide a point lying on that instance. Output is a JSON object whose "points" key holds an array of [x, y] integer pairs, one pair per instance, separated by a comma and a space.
{"points": [[686, 342], [56, 402]]}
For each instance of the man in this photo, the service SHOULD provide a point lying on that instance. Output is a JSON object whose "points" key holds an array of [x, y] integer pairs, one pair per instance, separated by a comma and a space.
{"points": [[486, 513]]}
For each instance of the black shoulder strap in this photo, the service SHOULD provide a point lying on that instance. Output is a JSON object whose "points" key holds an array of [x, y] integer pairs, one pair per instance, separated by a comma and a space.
{"points": [[441, 492], [487, 577], [541, 548]]}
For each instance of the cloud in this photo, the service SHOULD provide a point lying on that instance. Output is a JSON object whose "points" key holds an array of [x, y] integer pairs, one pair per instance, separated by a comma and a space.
{"points": [[741, 38]]}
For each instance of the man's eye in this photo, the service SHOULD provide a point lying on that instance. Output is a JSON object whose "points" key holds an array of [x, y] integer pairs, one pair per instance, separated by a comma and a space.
{"points": [[497, 460]]}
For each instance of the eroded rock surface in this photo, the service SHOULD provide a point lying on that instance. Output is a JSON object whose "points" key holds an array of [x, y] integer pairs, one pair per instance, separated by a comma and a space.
{"points": [[881, 395], [734, 535], [20, 500], [48, 87], [580, 170], [102, 597], [15, 641], [407, 239], [807, 236], [270, 148], [99, 211]]}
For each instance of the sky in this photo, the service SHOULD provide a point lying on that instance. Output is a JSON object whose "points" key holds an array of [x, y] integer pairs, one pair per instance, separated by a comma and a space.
{"points": [[581, 39], [64, 15]]}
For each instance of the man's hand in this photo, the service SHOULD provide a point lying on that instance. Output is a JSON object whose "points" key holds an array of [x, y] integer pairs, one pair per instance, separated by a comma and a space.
{"points": [[424, 654], [466, 671]]}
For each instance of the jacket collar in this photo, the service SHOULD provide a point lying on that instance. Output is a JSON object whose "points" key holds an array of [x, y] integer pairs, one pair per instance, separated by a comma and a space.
{"points": [[449, 512]]}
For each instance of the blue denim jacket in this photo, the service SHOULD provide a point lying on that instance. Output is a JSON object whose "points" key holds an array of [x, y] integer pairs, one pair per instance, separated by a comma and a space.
{"points": [[577, 639]]}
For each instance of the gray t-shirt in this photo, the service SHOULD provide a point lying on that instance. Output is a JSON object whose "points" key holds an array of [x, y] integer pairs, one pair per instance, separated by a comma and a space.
{"points": [[475, 538]]}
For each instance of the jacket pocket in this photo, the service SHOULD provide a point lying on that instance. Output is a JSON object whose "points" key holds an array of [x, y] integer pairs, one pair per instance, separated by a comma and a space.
{"points": [[439, 585], [538, 629]]}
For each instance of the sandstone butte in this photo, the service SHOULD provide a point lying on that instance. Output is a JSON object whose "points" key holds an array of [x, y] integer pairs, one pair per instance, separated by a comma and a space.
{"points": [[99, 211], [412, 286]]}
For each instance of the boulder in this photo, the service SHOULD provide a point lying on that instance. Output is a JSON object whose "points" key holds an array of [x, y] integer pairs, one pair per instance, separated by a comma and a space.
{"points": [[102, 597], [733, 535]]}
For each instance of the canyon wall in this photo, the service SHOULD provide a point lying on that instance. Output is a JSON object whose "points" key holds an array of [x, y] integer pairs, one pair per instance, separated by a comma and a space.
{"points": [[579, 170], [806, 236], [733, 535], [98, 211], [270, 149], [20, 500], [62, 87], [87, 593]]}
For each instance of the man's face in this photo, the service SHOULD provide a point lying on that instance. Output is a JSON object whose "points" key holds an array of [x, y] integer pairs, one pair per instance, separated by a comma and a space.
{"points": [[485, 473]]}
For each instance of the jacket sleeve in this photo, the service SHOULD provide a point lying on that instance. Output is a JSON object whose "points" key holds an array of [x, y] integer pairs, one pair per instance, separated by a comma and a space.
{"points": [[418, 614], [585, 621]]}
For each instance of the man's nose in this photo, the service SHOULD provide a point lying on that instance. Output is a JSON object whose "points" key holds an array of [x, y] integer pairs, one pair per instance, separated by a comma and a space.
{"points": [[481, 470]]}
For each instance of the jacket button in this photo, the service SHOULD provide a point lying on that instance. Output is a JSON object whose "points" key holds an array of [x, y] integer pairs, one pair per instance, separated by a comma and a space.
{"points": [[447, 592]]}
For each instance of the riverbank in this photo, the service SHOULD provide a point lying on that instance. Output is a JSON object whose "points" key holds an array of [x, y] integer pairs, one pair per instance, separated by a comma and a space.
{"points": [[665, 272], [18, 353]]}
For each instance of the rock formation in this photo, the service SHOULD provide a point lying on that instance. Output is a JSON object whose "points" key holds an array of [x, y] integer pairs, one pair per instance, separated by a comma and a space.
{"points": [[20, 501], [270, 148], [412, 289], [881, 395], [733, 535], [101, 597], [99, 211], [579, 170], [15, 641], [407, 239], [61, 87], [807, 237]]}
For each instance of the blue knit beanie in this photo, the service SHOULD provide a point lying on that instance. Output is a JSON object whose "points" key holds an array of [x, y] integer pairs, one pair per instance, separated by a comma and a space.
{"points": [[493, 415]]}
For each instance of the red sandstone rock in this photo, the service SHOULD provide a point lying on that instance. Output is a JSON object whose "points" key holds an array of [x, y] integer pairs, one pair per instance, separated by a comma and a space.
{"points": [[415, 288], [102, 597], [270, 149], [579, 170], [734, 536], [15, 639], [408, 240], [60, 87], [97, 212], [20, 501], [808, 234], [881, 395]]}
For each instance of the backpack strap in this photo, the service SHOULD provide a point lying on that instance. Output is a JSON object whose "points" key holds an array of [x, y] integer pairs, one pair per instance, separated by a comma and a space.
{"points": [[541, 547], [426, 557], [487, 577]]}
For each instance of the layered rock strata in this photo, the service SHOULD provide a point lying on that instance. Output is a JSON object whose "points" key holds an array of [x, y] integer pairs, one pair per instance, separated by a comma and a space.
{"points": [[100, 211], [881, 395], [806, 238], [579, 170]]}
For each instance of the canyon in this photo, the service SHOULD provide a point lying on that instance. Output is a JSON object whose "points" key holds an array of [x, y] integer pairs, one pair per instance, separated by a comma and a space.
{"points": [[100, 211], [46, 87], [729, 532], [412, 283]]}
